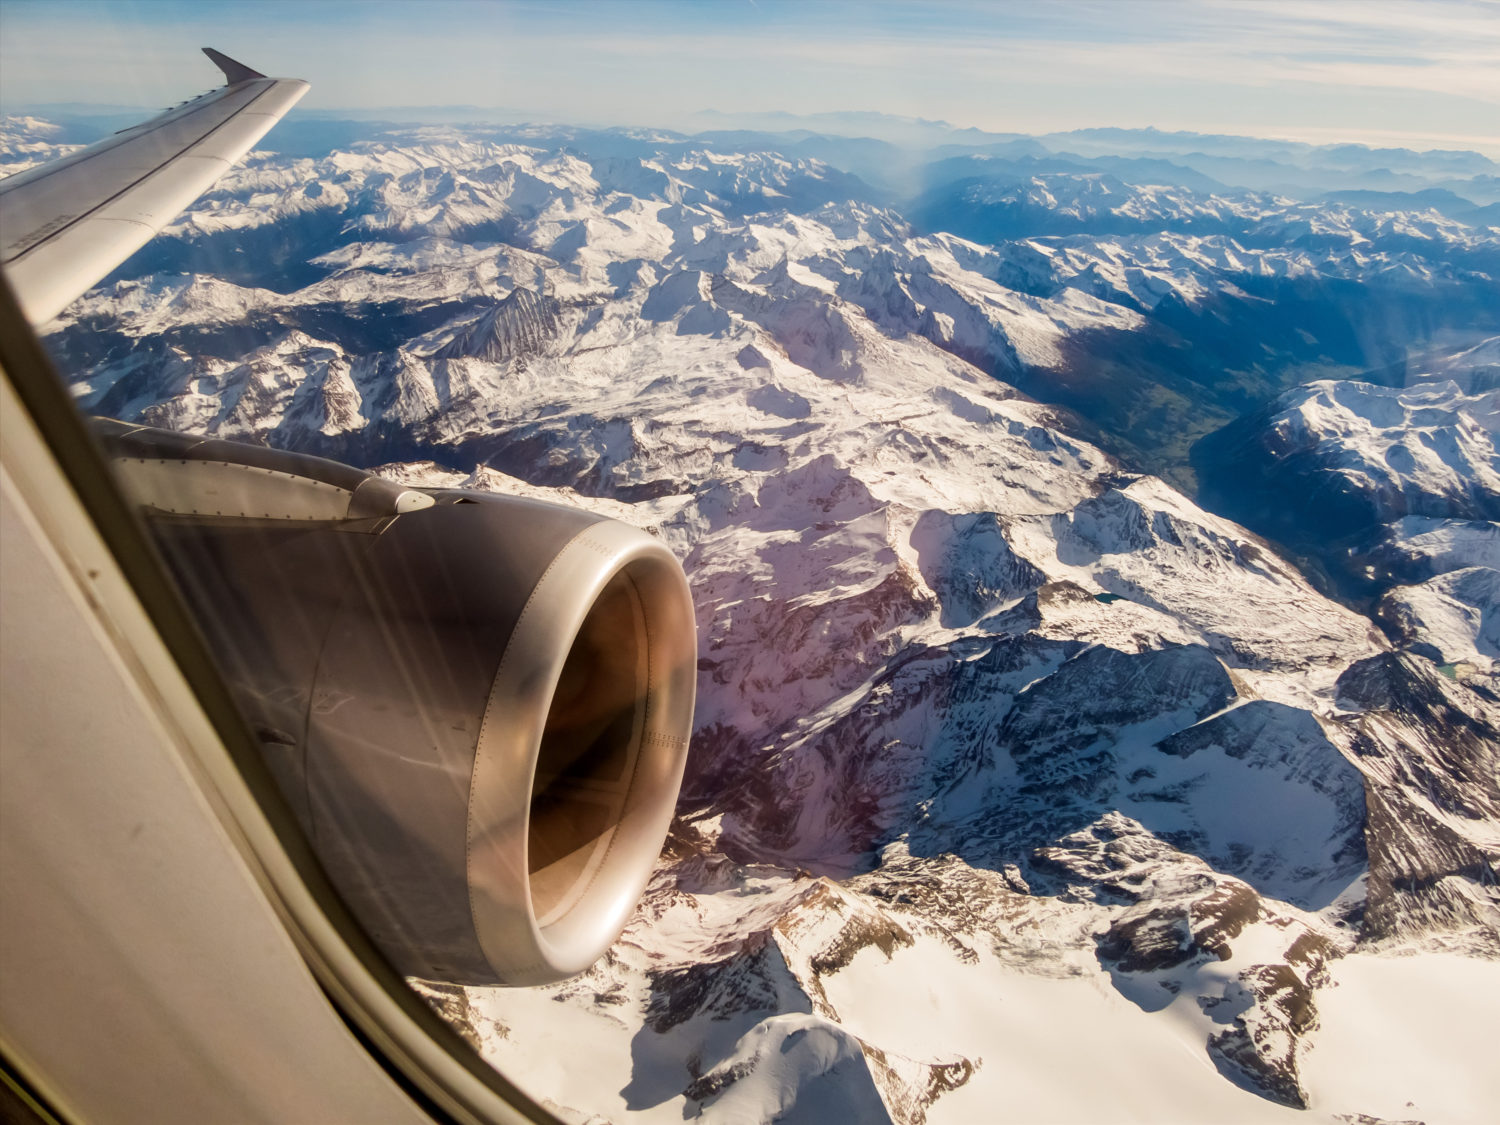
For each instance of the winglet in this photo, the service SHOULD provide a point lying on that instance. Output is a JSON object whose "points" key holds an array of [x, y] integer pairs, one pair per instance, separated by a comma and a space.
{"points": [[233, 71]]}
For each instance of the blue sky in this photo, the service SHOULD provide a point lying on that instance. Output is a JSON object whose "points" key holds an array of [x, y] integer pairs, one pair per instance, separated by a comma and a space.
{"points": [[1423, 73]]}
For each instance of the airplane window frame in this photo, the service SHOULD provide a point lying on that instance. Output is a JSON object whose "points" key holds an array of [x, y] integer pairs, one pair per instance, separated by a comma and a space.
{"points": [[427, 1058]]}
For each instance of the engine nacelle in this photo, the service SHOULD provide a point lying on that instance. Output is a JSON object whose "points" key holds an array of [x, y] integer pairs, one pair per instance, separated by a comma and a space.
{"points": [[478, 705]]}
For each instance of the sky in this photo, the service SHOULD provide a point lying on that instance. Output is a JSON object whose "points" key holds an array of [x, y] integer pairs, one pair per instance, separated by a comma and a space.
{"points": [[1416, 73]]}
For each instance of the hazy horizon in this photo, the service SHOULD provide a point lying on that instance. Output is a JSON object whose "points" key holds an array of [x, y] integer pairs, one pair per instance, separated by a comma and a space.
{"points": [[1410, 75]]}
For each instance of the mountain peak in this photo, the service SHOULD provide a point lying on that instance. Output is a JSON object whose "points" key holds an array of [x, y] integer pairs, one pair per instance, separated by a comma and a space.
{"points": [[520, 325]]}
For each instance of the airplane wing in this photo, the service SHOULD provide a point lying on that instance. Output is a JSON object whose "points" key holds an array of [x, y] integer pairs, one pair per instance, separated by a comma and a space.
{"points": [[509, 689], [65, 225]]}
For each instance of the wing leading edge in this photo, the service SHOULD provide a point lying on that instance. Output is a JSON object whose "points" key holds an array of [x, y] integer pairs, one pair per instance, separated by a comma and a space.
{"points": [[65, 225]]}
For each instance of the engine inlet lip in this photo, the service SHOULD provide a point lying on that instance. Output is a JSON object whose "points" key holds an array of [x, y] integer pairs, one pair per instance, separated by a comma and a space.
{"points": [[517, 946]]}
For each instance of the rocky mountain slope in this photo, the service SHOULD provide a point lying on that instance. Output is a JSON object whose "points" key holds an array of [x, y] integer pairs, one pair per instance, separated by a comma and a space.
{"points": [[1021, 783]]}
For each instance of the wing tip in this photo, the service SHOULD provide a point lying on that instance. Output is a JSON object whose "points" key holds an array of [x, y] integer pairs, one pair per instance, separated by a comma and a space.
{"points": [[234, 71]]}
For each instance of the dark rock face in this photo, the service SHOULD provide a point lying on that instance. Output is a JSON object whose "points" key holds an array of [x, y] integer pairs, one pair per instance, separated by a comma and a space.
{"points": [[970, 566], [1144, 939], [1248, 1047], [743, 982], [1429, 748], [1265, 1041], [519, 326], [1060, 730], [1243, 732]]}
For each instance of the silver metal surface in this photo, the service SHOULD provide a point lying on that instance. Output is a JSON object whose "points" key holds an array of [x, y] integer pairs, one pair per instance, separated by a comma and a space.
{"points": [[65, 225], [479, 709], [144, 975], [590, 827]]}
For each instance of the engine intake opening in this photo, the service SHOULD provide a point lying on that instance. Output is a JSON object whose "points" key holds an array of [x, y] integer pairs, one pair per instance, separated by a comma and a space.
{"points": [[589, 747]]}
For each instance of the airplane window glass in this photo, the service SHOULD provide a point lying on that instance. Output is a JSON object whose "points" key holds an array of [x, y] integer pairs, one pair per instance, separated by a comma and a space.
{"points": [[770, 605]]}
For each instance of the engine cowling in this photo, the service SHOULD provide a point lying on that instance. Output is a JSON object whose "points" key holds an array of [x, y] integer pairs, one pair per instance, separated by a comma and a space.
{"points": [[477, 705]]}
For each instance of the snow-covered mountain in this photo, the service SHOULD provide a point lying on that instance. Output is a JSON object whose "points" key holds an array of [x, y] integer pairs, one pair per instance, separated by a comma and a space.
{"points": [[1021, 784], [27, 142], [1343, 456], [1244, 295], [1396, 490]]}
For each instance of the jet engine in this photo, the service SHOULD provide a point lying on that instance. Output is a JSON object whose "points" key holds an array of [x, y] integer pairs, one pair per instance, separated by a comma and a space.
{"points": [[477, 705]]}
